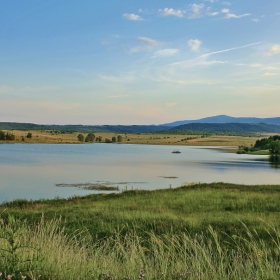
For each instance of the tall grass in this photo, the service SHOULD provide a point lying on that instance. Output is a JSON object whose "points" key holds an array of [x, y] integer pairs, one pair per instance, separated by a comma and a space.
{"points": [[45, 251]]}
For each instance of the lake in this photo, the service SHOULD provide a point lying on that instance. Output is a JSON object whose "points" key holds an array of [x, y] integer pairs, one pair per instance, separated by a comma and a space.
{"points": [[32, 171]]}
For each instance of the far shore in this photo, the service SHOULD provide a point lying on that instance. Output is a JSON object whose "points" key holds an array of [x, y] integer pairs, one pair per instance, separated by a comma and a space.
{"points": [[57, 137]]}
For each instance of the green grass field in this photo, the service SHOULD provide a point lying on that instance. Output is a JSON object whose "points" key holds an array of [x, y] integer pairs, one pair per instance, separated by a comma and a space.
{"points": [[202, 231]]}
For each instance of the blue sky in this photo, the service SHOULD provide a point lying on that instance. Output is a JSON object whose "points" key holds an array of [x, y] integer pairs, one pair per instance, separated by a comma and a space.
{"points": [[138, 62]]}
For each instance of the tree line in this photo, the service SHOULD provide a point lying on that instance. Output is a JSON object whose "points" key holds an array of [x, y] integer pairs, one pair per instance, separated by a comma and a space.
{"points": [[91, 138], [6, 136]]}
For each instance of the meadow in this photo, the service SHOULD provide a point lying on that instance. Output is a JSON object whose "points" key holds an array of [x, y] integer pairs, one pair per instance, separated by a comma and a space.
{"points": [[64, 137], [198, 231]]}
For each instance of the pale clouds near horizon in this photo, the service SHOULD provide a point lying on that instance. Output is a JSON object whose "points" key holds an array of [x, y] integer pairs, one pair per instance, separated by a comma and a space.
{"points": [[138, 62]]}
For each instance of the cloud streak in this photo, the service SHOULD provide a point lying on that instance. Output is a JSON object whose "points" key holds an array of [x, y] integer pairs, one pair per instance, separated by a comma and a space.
{"points": [[147, 44], [217, 52]]}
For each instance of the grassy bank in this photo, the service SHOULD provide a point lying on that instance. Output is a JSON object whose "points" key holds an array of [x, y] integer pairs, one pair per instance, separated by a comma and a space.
{"points": [[202, 231], [58, 137]]}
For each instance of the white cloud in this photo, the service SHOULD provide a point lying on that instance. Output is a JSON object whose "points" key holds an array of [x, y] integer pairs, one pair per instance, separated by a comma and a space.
{"points": [[212, 13], [166, 52], [196, 10], [147, 44], [269, 74], [270, 68], [274, 50], [148, 40], [229, 15], [194, 44], [132, 17], [256, 65], [171, 12], [255, 20]]}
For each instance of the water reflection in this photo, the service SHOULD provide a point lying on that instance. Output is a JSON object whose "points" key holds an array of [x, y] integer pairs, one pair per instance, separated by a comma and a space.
{"points": [[274, 161]]}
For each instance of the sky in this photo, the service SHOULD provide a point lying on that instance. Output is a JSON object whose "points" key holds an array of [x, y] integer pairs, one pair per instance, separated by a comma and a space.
{"points": [[96, 62]]}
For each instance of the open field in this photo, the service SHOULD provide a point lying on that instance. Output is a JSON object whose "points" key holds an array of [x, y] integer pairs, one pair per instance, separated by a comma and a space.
{"points": [[201, 231], [143, 138]]}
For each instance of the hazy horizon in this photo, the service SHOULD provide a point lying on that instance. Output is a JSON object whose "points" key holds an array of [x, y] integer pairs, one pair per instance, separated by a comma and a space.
{"points": [[154, 62]]}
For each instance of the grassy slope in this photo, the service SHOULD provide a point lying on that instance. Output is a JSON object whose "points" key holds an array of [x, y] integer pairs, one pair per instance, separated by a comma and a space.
{"points": [[155, 139], [191, 208], [166, 232]]}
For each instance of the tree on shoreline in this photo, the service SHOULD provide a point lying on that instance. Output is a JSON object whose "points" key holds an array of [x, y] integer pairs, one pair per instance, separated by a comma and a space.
{"points": [[6, 136], [274, 147], [90, 137], [81, 137]]}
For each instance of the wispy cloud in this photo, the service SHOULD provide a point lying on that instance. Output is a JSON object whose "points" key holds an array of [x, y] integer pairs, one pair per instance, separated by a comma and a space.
{"points": [[227, 3], [270, 68], [147, 44], [269, 74], [231, 49], [230, 15], [171, 12], [216, 52], [274, 50], [256, 65], [165, 52], [132, 17], [255, 20], [196, 10], [194, 44]]}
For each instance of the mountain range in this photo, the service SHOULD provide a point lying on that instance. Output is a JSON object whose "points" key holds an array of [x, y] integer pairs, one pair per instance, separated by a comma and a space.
{"points": [[215, 124], [226, 119]]}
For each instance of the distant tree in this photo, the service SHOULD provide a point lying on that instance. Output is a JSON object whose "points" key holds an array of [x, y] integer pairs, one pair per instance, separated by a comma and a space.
{"points": [[81, 137], [90, 137], [274, 147], [10, 136], [2, 135], [29, 135], [108, 140], [114, 139], [119, 138], [99, 138]]}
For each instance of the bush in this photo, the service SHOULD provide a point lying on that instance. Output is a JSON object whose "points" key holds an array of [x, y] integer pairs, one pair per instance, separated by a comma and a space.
{"points": [[29, 135], [81, 137]]}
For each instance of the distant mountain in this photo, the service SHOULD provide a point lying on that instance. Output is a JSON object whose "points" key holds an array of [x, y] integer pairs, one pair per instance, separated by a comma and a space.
{"points": [[228, 127], [226, 119], [84, 128]]}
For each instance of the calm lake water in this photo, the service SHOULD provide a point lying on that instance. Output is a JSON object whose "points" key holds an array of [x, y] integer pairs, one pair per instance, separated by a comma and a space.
{"points": [[32, 170]]}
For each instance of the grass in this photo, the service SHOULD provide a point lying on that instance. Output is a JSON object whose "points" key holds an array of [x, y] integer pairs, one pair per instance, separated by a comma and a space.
{"points": [[45, 251], [200, 231], [46, 136], [191, 208]]}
